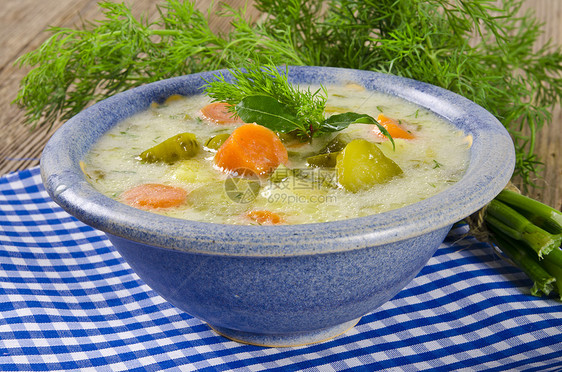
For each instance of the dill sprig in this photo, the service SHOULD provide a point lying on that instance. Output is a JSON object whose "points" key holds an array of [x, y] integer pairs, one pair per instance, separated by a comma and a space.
{"points": [[306, 106], [484, 50]]}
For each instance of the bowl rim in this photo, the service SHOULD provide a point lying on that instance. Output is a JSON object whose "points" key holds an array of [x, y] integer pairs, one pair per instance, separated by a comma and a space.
{"points": [[492, 161]]}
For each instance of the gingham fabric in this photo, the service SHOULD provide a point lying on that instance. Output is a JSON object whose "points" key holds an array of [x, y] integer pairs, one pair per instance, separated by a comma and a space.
{"points": [[68, 301]]}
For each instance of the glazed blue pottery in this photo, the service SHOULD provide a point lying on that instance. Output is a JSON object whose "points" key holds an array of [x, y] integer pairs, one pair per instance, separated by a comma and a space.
{"points": [[279, 285]]}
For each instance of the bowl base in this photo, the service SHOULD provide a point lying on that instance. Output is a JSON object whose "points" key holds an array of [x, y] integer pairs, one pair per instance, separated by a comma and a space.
{"points": [[285, 340]]}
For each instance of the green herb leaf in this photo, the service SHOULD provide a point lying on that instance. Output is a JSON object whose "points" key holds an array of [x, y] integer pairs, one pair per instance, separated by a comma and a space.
{"points": [[267, 111], [366, 119], [339, 122]]}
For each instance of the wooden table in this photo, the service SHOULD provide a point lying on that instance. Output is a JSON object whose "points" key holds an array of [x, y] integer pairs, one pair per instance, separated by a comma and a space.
{"points": [[22, 25]]}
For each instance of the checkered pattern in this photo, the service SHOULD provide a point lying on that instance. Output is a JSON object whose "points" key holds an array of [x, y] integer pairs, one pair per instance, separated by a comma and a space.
{"points": [[68, 301]]}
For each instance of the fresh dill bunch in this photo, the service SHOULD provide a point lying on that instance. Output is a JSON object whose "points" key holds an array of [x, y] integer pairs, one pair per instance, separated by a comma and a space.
{"points": [[484, 50], [268, 80], [75, 68]]}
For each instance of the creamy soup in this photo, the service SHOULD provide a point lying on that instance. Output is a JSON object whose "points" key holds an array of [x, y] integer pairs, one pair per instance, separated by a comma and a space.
{"points": [[320, 180]]}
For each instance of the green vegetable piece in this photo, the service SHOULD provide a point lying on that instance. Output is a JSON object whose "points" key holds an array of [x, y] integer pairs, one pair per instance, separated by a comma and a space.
{"points": [[216, 142], [179, 147], [526, 260], [556, 272], [542, 215], [323, 160], [233, 196], [362, 164], [192, 171], [280, 174], [288, 137], [336, 144], [510, 222]]}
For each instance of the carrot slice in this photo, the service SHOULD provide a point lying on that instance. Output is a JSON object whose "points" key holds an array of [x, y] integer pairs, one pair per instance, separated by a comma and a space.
{"points": [[218, 112], [393, 127], [264, 217], [154, 196], [251, 148]]}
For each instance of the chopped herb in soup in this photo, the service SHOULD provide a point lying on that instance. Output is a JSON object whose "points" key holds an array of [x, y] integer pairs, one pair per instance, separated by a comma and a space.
{"points": [[192, 158]]}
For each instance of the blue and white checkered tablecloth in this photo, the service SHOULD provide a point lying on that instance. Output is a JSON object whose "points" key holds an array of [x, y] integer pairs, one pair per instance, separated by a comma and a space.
{"points": [[68, 301]]}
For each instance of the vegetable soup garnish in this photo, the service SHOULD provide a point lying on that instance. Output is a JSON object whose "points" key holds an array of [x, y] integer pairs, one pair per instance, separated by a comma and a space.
{"points": [[248, 173], [262, 94]]}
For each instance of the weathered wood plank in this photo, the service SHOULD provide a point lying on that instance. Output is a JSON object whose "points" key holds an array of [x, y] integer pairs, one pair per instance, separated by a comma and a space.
{"points": [[549, 141], [22, 26]]}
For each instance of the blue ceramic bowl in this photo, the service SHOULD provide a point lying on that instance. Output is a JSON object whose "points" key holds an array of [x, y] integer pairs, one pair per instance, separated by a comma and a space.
{"points": [[279, 285]]}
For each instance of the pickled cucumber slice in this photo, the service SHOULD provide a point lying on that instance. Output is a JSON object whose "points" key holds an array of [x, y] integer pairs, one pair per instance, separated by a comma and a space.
{"points": [[323, 160], [337, 144], [280, 174], [215, 142], [179, 147], [362, 164]]}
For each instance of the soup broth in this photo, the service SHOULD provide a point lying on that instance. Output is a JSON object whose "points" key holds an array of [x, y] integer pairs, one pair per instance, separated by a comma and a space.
{"points": [[433, 156]]}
